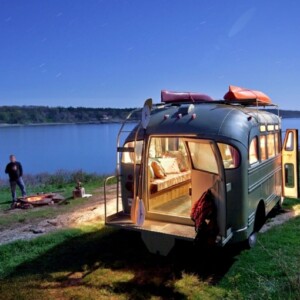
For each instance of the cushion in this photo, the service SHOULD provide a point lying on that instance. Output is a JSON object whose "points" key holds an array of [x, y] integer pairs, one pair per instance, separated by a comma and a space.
{"points": [[151, 174], [170, 165], [157, 169], [181, 160]]}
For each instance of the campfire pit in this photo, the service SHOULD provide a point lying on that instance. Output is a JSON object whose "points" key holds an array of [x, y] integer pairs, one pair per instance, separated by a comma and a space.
{"points": [[38, 200]]}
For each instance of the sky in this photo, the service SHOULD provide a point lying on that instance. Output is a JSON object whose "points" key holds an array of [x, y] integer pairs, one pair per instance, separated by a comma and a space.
{"points": [[117, 53]]}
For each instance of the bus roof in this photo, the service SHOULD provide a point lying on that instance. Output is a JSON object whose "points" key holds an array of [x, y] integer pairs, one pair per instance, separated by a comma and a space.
{"points": [[213, 120]]}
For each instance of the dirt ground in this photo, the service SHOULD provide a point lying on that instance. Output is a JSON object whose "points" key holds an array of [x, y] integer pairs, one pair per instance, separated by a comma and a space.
{"points": [[91, 211], [279, 218]]}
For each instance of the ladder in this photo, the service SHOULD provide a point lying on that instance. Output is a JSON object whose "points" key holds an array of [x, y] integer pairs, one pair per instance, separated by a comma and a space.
{"points": [[122, 134]]}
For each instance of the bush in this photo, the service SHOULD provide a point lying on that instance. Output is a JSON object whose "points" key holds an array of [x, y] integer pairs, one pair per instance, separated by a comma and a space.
{"points": [[59, 179], [3, 184]]}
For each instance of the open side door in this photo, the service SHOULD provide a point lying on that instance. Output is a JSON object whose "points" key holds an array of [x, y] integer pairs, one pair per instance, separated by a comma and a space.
{"points": [[290, 164]]}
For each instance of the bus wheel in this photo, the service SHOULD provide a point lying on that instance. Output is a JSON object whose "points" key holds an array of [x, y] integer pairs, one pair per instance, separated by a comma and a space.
{"points": [[260, 217], [258, 223], [252, 239]]}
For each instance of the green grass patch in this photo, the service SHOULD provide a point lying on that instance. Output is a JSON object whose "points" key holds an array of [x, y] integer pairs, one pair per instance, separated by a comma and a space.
{"points": [[101, 263], [60, 182], [271, 269], [95, 262], [292, 204]]}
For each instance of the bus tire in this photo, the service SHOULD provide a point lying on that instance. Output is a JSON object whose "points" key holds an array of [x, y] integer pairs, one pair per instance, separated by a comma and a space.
{"points": [[252, 239], [259, 221], [260, 217]]}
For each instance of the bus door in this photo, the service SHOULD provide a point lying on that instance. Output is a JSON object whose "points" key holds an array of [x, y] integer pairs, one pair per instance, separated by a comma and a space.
{"points": [[208, 173], [290, 164]]}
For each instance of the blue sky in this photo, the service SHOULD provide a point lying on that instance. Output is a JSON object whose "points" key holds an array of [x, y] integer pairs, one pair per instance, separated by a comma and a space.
{"points": [[115, 53]]}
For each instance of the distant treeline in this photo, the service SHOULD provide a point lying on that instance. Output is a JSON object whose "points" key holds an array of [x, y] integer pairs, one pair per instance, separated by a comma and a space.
{"points": [[45, 114], [286, 113]]}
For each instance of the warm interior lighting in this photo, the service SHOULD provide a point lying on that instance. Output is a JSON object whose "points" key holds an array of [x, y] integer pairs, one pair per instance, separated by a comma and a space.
{"points": [[262, 128]]}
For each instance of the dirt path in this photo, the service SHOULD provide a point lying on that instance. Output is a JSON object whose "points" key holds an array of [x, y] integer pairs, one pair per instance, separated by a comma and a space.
{"points": [[279, 219], [92, 211]]}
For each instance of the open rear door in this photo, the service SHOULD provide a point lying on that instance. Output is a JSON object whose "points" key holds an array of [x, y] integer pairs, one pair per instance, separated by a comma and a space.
{"points": [[290, 164]]}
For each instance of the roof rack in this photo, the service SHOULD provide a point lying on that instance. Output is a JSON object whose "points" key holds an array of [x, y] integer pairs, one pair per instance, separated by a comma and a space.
{"points": [[236, 96]]}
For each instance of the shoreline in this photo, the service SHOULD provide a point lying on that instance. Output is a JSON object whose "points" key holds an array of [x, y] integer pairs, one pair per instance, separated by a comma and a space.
{"points": [[5, 125]]}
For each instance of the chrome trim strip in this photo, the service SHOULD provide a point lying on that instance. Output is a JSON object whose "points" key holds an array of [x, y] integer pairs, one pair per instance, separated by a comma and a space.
{"points": [[263, 179], [260, 165], [225, 241], [240, 230]]}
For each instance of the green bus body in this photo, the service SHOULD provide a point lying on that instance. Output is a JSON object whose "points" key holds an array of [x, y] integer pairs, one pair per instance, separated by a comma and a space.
{"points": [[245, 191]]}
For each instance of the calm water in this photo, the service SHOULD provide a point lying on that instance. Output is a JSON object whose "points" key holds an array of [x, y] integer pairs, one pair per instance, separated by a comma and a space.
{"points": [[91, 148]]}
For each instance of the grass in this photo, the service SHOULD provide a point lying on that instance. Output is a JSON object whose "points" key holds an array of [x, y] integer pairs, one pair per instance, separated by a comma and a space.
{"points": [[271, 270], [62, 182], [96, 262]]}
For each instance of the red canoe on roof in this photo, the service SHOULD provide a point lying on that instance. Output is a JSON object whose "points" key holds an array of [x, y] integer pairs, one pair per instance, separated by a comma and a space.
{"points": [[168, 96], [246, 96]]}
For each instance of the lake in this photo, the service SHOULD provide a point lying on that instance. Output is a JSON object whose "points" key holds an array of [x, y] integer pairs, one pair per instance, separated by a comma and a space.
{"points": [[48, 148]]}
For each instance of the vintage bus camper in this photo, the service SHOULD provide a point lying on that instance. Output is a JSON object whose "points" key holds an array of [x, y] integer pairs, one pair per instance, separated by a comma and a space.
{"points": [[189, 145]]}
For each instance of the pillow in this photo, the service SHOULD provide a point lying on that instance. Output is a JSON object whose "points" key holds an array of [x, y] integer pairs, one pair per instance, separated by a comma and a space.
{"points": [[182, 163], [150, 172], [170, 165], [158, 170], [181, 160]]}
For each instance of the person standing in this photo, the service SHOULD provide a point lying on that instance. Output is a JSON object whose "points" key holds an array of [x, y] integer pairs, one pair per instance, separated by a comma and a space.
{"points": [[15, 172]]}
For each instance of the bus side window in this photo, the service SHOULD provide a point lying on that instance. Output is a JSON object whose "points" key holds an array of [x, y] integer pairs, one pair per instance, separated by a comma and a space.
{"points": [[262, 147], [253, 155], [276, 143], [128, 157], [230, 156], [271, 145]]}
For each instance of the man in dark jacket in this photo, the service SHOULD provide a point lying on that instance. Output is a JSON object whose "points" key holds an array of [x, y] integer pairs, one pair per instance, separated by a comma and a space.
{"points": [[15, 172]]}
